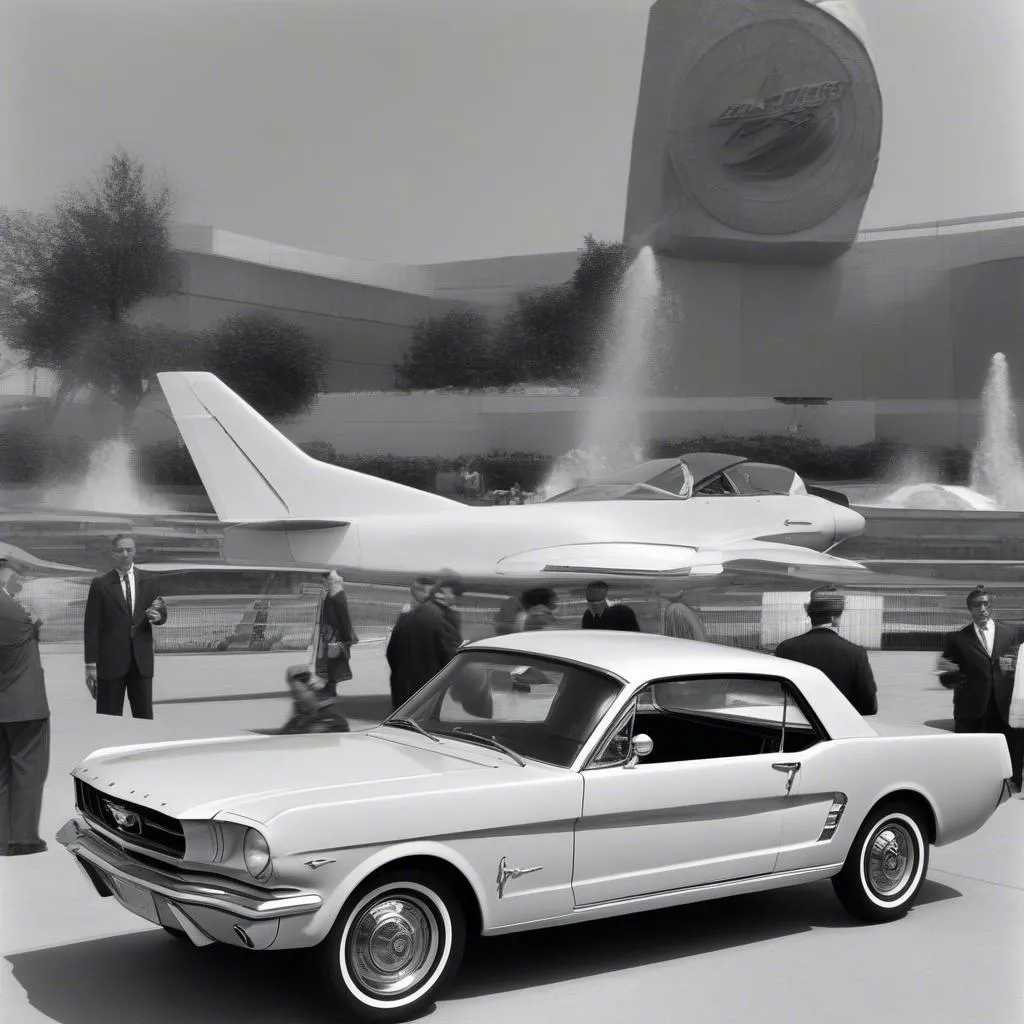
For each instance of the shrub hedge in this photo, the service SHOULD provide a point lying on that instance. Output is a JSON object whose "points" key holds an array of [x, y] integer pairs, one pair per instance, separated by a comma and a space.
{"points": [[28, 456]]}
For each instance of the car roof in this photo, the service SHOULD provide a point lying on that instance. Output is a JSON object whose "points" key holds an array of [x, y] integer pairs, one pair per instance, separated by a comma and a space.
{"points": [[635, 657], [638, 658]]}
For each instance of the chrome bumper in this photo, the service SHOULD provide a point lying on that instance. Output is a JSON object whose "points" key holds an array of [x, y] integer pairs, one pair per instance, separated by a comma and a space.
{"points": [[93, 850]]}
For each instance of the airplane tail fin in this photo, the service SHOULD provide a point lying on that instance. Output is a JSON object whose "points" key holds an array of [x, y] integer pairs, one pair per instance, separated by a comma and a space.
{"points": [[253, 473]]}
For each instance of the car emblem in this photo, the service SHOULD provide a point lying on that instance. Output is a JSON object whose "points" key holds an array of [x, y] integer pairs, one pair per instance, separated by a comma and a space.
{"points": [[506, 874], [125, 820]]}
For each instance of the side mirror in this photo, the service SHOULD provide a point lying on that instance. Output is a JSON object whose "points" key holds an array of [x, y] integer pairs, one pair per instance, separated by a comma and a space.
{"points": [[642, 747]]}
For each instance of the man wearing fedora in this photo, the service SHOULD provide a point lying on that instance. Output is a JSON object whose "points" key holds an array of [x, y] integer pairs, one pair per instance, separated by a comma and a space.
{"points": [[24, 722], [845, 663]]}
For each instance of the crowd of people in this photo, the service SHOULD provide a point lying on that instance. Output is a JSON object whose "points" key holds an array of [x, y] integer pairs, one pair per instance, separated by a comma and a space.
{"points": [[124, 605]]}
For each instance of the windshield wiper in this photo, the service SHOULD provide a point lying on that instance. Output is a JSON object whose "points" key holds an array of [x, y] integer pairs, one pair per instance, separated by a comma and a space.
{"points": [[490, 741], [408, 723]]}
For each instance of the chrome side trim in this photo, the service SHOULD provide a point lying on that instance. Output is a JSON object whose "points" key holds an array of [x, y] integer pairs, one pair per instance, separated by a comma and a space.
{"points": [[91, 847], [834, 816]]}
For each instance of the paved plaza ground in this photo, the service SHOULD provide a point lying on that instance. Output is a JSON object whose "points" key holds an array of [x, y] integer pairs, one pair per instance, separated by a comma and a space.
{"points": [[788, 956]]}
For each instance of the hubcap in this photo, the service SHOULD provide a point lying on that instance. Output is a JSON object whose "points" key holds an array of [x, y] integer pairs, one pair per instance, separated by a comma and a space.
{"points": [[393, 945], [891, 859]]}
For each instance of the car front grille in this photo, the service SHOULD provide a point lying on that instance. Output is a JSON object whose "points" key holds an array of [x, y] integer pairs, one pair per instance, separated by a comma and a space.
{"points": [[142, 826]]}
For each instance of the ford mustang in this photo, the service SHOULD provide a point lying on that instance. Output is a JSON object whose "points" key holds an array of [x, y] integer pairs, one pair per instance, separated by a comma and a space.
{"points": [[539, 779]]}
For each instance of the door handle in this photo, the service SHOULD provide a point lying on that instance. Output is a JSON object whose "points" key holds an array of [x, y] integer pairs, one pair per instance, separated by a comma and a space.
{"points": [[790, 768], [798, 522]]}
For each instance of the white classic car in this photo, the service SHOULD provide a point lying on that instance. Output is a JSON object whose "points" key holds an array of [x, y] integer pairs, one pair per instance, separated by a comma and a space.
{"points": [[539, 779]]}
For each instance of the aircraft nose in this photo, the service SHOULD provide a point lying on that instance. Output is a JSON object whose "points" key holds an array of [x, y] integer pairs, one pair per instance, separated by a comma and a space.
{"points": [[848, 522]]}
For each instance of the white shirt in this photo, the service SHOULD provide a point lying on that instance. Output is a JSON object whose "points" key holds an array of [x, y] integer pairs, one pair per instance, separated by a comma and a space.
{"points": [[985, 635], [131, 575]]}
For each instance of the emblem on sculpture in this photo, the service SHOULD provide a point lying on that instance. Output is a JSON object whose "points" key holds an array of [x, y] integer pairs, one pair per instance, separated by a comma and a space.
{"points": [[761, 132]]}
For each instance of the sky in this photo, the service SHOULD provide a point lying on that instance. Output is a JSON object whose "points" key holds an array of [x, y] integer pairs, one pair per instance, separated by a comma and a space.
{"points": [[415, 131]]}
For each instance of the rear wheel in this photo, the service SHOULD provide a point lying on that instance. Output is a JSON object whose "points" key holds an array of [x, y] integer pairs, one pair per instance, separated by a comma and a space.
{"points": [[396, 944], [886, 865]]}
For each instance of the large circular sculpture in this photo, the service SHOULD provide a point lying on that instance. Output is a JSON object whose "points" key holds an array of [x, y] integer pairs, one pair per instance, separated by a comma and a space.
{"points": [[766, 128]]}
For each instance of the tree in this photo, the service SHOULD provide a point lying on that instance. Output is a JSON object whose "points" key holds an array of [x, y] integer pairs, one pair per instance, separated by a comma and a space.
{"points": [[452, 351], [538, 339], [68, 282], [277, 367]]}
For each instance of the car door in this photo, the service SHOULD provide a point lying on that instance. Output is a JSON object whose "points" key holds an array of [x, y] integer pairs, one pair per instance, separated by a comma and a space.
{"points": [[673, 822], [818, 802]]}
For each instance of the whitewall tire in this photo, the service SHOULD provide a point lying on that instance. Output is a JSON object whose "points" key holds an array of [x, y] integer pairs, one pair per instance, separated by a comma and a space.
{"points": [[396, 944], [886, 865]]}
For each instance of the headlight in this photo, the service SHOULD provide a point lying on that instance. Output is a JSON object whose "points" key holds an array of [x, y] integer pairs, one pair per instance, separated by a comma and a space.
{"points": [[255, 852]]}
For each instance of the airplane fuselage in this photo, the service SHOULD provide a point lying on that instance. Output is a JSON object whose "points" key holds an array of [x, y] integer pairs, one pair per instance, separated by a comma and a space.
{"points": [[474, 541]]}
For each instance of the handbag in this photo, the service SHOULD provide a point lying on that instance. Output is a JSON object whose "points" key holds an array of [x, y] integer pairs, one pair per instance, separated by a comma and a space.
{"points": [[1015, 719], [335, 649]]}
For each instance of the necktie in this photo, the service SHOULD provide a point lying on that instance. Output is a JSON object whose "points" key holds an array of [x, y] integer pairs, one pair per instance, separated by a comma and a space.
{"points": [[128, 590], [983, 633]]}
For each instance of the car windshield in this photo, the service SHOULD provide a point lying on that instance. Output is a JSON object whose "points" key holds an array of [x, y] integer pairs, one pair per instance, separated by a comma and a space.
{"points": [[538, 708]]}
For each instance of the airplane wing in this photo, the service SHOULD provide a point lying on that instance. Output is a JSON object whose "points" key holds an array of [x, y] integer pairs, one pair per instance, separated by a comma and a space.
{"points": [[29, 565], [677, 563]]}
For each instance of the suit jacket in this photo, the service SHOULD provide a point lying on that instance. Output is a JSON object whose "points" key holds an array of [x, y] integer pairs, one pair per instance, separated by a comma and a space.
{"points": [[981, 678], [615, 616], [22, 687], [432, 634], [112, 634], [845, 663]]}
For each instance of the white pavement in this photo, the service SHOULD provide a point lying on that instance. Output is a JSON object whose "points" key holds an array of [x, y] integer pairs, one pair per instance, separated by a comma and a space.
{"points": [[775, 958]]}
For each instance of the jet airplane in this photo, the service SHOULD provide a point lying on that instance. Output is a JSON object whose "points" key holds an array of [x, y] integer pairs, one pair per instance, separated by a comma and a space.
{"points": [[281, 507]]}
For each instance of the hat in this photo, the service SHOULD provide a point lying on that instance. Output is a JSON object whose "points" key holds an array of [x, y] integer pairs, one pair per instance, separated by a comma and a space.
{"points": [[449, 579], [826, 600]]}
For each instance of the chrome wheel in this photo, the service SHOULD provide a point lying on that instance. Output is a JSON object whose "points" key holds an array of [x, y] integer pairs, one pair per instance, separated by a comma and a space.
{"points": [[891, 859], [886, 864], [393, 944], [396, 944]]}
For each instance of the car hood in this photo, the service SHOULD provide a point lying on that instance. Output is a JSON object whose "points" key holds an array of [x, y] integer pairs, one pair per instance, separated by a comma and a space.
{"points": [[202, 778]]}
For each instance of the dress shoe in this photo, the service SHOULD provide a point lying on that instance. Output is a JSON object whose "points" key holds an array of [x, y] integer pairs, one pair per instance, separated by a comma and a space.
{"points": [[23, 849]]}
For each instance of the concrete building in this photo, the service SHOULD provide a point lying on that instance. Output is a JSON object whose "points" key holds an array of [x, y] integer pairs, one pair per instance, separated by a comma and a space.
{"points": [[363, 312]]}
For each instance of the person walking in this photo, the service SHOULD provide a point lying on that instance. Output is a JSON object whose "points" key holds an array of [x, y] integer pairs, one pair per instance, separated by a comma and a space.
{"points": [[434, 631], [24, 723], [602, 615], [984, 653], [397, 650], [121, 610], [680, 620], [845, 663], [541, 609], [336, 635]]}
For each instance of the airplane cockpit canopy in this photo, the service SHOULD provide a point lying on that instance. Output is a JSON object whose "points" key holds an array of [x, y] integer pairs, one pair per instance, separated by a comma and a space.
{"points": [[704, 473]]}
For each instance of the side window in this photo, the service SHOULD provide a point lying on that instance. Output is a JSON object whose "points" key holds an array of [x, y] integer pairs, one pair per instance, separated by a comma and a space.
{"points": [[725, 716]]}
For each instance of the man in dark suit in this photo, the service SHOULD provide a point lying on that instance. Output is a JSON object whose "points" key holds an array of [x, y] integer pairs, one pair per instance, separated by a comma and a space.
{"points": [[398, 651], [120, 612], [845, 663], [24, 723], [433, 631], [602, 615], [985, 655]]}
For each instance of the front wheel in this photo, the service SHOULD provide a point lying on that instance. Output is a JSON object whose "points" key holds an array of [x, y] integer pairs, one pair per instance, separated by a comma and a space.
{"points": [[398, 941], [886, 865]]}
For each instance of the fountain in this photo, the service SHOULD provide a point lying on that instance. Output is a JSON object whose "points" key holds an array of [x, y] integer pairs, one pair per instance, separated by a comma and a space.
{"points": [[997, 468], [612, 433], [111, 485]]}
